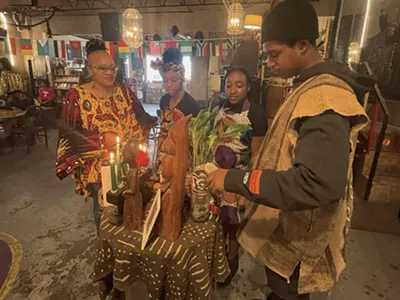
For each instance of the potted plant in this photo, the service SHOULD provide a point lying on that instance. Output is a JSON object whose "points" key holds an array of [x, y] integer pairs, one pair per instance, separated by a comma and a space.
{"points": [[202, 138]]}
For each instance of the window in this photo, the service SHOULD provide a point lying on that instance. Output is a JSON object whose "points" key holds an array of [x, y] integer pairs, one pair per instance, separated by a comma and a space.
{"points": [[188, 67], [154, 75]]}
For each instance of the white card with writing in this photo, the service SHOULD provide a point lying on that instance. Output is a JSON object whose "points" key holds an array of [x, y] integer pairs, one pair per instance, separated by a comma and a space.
{"points": [[151, 218]]}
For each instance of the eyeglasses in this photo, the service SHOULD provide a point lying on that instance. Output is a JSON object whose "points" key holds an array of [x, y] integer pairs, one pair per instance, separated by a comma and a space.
{"points": [[104, 70]]}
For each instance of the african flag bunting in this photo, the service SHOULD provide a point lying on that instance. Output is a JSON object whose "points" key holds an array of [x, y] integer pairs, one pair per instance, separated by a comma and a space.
{"points": [[171, 44], [43, 48], [224, 49], [137, 52], [218, 48], [123, 50], [229, 47], [26, 47], [214, 47], [70, 55], [202, 48], [110, 48], [162, 47], [155, 49], [145, 49], [186, 48], [11, 47], [76, 49], [60, 49]]}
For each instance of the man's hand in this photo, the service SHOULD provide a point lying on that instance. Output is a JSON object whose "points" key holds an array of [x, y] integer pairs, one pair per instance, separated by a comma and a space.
{"points": [[230, 198], [216, 179]]}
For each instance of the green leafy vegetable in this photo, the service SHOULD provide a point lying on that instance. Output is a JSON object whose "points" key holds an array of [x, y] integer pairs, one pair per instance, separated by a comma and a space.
{"points": [[203, 136]]}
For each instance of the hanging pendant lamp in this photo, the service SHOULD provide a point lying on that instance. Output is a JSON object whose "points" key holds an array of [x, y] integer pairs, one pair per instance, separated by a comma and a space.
{"points": [[235, 19], [354, 53], [253, 22], [132, 27]]}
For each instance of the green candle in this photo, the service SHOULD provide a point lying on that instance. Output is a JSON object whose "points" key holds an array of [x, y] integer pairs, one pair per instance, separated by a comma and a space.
{"points": [[126, 168], [119, 168], [112, 170]]}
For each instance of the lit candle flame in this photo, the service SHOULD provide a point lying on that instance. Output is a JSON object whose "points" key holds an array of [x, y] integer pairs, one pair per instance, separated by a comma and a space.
{"points": [[142, 148], [118, 140], [112, 156]]}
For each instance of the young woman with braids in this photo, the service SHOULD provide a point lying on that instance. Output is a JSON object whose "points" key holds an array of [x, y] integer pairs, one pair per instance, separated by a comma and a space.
{"points": [[93, 115], [237, 152], [176, 103]]}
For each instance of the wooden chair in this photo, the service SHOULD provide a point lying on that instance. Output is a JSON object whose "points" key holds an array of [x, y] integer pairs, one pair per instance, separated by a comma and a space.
{"points": [[32, 125]]}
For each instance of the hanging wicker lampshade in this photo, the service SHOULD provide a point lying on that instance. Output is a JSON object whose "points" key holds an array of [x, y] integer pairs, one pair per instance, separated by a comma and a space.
{"points": [[132, 27], [354, 52], [235, 19]]}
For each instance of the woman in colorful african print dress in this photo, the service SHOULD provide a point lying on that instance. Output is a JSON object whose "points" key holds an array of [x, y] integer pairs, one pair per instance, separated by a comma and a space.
{"points": [[237, 152], [93, 115]]}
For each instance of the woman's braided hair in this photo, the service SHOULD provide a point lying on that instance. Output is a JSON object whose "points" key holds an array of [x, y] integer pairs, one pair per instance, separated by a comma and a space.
{"points": [[95, 44]]}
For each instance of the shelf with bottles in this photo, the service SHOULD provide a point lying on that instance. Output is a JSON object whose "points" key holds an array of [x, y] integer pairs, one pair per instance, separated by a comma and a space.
{"points": [[66, 82]]}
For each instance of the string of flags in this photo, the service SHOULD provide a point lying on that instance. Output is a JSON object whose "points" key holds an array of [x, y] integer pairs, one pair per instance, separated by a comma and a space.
{"points": [[75, 49]]}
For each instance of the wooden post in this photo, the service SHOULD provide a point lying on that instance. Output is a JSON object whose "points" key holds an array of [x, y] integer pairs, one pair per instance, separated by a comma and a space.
{"points": [[335, 30]]}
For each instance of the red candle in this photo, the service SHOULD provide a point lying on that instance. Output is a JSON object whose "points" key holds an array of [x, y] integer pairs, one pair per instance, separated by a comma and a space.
{"points": [[142, 159]]}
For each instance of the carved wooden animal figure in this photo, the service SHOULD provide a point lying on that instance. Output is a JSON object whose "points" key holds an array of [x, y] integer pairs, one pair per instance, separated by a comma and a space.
{"points": [[174, 165], [133, 206]]}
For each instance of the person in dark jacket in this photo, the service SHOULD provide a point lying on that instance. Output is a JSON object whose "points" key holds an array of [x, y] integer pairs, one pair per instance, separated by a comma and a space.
{"points": [[299, 191]]}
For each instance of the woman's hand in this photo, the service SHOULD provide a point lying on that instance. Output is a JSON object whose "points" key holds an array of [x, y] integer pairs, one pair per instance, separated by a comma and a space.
{"points": [[109, 140]]}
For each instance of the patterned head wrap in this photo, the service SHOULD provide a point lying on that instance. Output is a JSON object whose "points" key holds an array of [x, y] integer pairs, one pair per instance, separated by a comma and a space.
{"points": [[168, 66]]}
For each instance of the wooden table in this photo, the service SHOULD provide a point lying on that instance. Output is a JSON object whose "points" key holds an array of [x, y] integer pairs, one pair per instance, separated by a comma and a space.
{"points": [[8, 117], [11, 113]]}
